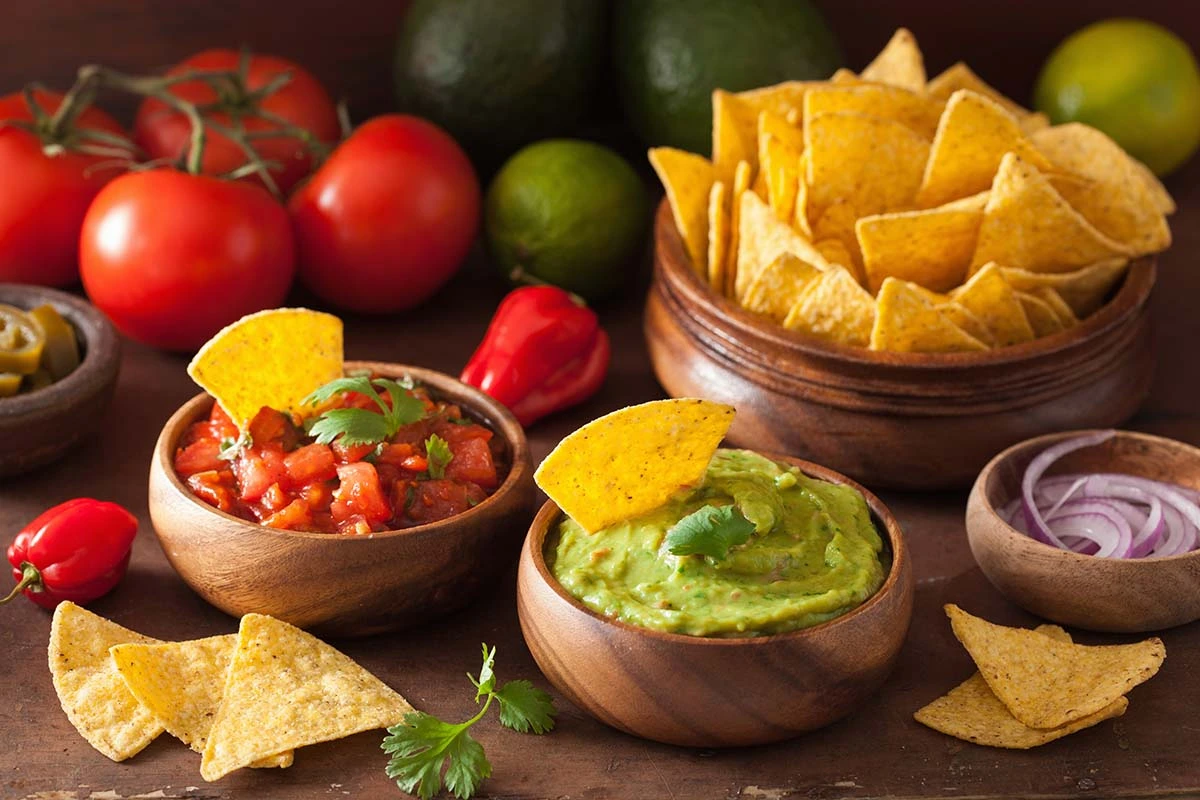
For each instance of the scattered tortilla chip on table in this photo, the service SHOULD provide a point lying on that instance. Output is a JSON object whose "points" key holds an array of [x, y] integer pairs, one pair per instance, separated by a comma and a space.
{"points": [[252, 363], [182, 683], [834, 307], [1028, 225], [633, 460], [687, 178], [90, 689], [777, 288], [1084, 290], [1048, 684], [906, 321], [900, 63], [287, 689], [990, 298], [972, 137]]}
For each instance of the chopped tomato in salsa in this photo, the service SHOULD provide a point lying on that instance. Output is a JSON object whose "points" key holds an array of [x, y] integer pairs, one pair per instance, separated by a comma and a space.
{"points": [[284, 478]]}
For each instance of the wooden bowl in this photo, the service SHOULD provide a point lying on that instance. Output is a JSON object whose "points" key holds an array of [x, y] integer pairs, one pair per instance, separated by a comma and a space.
{"points": [[709, 692], [898, 420], [1099, 594], [345, 585], [39, 427]]}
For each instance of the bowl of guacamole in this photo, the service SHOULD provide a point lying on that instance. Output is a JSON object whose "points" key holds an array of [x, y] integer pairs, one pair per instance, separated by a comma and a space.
{"points": [[742, 628]]}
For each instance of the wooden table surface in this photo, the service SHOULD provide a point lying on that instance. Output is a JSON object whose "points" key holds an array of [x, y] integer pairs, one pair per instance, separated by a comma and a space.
{"points": [[877, 752]]}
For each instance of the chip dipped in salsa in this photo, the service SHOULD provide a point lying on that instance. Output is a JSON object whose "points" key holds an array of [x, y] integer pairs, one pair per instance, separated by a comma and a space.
{"points": [[364, 454]]}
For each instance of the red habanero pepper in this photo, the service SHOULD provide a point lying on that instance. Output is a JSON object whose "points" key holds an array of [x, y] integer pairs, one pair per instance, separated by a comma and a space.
{"points": [[75, 551], [543, 351]]}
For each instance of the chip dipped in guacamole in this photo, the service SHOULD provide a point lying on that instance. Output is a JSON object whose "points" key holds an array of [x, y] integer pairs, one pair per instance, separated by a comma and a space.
{"points": [[778, 551]]}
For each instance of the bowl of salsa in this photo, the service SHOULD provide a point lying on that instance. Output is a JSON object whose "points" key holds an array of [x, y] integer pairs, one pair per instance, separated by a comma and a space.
{"points": [[349, 539]]}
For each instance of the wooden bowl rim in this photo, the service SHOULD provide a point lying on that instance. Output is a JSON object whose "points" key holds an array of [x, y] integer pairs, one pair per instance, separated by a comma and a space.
{"points": [[1029, 544], [101, 348], [505, 425], [550, 513], [1130, 297]]}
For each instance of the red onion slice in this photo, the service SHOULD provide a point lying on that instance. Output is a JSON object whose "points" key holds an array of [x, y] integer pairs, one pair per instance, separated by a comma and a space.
{"points": [[1035, 470], [1097, 521]]}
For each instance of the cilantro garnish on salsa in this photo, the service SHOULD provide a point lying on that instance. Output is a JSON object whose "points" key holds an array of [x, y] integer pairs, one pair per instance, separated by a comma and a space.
{"points": [[366, 454]]}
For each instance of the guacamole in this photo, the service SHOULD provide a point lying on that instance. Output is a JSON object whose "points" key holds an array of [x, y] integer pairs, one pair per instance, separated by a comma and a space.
{"points": [[813, 556]]}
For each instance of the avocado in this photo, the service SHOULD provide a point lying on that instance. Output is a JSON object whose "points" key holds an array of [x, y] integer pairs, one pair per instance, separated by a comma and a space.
{"points": [[499, 74], [671, 54]]}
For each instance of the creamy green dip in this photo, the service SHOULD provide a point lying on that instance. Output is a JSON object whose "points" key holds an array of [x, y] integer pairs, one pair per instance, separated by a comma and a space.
{"points": [[813, 556]]}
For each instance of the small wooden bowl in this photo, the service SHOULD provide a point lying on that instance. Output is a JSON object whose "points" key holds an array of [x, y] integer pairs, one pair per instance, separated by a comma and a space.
{"points": [[708, 692], [39, 427], [898, 420], [1099, 594], [340, 585]]}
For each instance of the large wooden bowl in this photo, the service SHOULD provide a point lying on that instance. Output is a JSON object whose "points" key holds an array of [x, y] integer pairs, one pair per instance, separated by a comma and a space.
{"points": [[708, 692], [899, 420], [345, 585], [1099, 594], [39, 427]]}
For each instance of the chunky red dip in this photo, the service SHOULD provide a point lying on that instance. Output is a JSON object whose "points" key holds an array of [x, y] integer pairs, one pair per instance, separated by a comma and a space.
{"points": [[285, 479]]}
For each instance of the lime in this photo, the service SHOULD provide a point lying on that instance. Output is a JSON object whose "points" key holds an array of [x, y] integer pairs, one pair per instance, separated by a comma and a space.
{"points": [[671, 54], [1132, 79], [570, 213]]}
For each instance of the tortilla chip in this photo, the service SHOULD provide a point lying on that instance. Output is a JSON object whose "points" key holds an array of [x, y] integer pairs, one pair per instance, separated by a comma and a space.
{"points": [[687, 179], [89, 687], [287, 689], [773, 124], [873, 164], [900, 63], [916, 111], [932, 248], [632, 461], [1051, 297], [1162, 198], [1115, 198], [1084, 290], [1032, 123], [800, 219], [735, 134], [835, 308], [252, 363], [181, 683], [776, 289], [957, 313], [837, 223], [1028, 225], [836, 252], [845, 77], [988, 296], [907, 322], [741, 185], [761, 238], [1041, 316], [973, 136], [780, 163], [960, 76], [779, 99], [1045, 683], [718, 236]]}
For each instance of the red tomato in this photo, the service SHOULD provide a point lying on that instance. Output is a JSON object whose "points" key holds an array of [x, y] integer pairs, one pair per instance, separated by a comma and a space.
{"points": [[388, 218], [302, 101], [172, 258], [45, 197]]}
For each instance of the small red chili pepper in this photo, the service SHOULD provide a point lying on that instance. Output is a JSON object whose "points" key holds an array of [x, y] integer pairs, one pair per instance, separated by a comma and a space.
{"points": [[544, 351], [75, 551]]}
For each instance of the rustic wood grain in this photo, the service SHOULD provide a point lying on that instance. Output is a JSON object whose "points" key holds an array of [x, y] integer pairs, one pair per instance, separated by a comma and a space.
{"points": [[346, 585], [1098, 594], [676, 689], [877, 752]]}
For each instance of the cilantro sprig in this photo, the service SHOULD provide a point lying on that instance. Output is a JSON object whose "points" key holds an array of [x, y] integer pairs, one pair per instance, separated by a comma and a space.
{"points": [[354, 426], [710, 530], [425, 751], [437, 456]]}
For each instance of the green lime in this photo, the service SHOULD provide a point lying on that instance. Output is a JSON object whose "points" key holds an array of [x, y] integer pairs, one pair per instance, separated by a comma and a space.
{"points": [[498, 75], [1132, 79], [570, 213], [671, 54]]}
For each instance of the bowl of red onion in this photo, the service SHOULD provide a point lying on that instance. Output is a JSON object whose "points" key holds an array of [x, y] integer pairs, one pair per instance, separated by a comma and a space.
{"points": [[1094, 529]]}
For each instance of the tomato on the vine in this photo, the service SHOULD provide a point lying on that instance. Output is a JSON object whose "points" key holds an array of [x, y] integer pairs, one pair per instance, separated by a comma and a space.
{"points": [[388, 218], [247, 102], [172, 258], [46, 195]]}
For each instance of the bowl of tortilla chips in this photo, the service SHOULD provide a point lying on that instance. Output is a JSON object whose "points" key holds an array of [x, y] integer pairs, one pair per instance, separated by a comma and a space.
{"points": [[922, 267]]}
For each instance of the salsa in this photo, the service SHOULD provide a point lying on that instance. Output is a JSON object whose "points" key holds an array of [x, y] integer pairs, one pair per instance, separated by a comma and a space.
{"points": [[281, 476], [814, 555]]}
